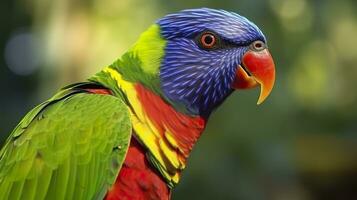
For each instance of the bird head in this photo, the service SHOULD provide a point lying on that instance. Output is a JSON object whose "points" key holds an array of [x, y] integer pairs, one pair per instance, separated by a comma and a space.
{"points": [[203, 55]]}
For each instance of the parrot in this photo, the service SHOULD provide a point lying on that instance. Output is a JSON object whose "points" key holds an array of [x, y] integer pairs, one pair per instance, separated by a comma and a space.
{"points": [[127, 131]]}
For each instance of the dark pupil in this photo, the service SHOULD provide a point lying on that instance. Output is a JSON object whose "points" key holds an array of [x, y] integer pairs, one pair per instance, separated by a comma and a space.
{"points": [[208, 39], [258, 45]]}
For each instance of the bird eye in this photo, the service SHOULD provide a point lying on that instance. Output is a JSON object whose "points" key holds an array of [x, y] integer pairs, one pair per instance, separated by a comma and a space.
{"points": [[208, 40], [258, 45]]}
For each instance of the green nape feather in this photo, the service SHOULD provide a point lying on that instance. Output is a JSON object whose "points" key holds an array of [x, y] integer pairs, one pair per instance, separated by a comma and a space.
{"points": [[142, 62], [70, 147]]}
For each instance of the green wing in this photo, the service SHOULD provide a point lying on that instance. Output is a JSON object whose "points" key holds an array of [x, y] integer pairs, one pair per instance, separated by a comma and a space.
{"points": [[70, 147]]}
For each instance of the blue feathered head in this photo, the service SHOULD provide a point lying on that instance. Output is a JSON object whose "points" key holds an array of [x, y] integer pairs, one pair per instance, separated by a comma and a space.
{"points": [[208, 54]]}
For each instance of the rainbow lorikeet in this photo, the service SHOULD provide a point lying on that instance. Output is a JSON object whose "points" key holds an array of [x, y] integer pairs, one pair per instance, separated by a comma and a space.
{"points": [[127, 132]]}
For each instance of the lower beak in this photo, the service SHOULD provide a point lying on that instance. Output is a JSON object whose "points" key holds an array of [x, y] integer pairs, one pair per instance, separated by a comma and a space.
{"points": [[257, 68]]}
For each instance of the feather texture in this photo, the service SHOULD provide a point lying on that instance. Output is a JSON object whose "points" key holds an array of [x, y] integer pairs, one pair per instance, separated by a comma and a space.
{"points": [[66, 148]]}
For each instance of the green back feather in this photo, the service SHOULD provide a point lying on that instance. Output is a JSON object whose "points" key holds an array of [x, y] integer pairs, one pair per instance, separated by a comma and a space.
{"points": [[70, 147]]}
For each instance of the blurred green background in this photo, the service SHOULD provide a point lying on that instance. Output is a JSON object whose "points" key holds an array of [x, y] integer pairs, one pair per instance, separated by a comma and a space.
{"points": [[301, 144]]}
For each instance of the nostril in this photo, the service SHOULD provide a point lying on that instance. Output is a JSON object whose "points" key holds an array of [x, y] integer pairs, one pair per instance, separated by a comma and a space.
{"points": [[258, 45]]}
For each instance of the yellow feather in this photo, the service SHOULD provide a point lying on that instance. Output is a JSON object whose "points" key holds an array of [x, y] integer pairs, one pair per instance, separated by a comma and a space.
{"points": [[164, 151]]}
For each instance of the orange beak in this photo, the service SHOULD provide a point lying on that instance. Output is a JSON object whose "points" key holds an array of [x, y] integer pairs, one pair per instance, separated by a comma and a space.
{"points": [[257, 68]]}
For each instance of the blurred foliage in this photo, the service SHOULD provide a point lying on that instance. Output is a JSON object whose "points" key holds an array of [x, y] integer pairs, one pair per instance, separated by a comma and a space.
{"points": [[300, 144]]}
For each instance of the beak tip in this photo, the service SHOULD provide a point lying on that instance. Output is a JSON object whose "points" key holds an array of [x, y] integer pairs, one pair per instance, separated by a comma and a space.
{"points": [[260, 101], [265, 89]]}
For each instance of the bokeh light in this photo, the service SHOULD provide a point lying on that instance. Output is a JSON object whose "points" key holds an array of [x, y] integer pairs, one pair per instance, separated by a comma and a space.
{"points": [[21, 53], [295, 15], [312, 80]]}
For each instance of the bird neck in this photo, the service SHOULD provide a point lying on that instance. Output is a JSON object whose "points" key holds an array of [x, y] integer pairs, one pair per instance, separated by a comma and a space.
{"points": [[167, 134]]}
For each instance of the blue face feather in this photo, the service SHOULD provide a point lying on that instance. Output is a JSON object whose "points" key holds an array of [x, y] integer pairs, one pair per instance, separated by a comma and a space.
{"points": [[196, 77]]}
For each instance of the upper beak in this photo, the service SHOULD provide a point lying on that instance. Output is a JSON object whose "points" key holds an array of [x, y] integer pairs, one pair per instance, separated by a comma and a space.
{"points": [[257, 68]]}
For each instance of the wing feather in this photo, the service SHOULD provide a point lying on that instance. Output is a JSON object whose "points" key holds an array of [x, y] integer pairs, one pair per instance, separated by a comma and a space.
{"points": [[66, 148]]}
